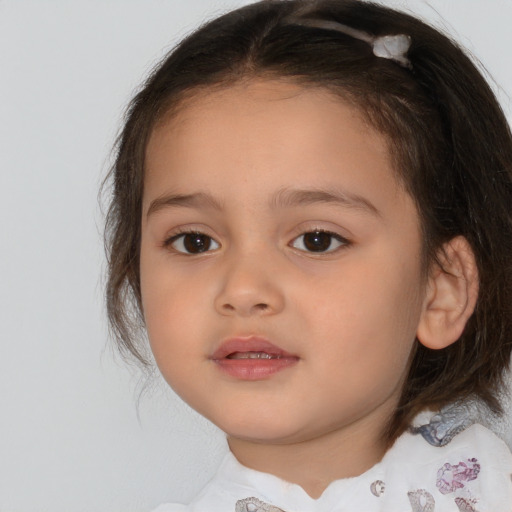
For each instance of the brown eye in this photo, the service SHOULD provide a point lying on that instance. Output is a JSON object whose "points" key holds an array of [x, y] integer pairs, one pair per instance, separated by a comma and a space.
{"points": [[318, 241], [193, 243]]}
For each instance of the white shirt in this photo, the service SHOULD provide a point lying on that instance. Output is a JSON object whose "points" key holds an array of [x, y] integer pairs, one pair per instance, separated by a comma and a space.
{"points": [[472, 473]]}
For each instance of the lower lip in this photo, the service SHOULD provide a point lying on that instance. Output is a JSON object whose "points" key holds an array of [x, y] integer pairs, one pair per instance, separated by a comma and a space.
{"points": [[254, 369]]}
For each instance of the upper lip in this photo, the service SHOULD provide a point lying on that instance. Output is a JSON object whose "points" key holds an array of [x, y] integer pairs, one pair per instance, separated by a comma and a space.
{"points": [[248, 344]]}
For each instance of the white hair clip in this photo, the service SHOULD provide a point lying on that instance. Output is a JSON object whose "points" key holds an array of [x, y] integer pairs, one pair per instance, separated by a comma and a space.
{"points": [[393, 47]]}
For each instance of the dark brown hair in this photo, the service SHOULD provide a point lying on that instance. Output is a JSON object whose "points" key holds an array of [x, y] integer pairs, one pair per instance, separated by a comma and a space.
{"points": [[450, 142]]}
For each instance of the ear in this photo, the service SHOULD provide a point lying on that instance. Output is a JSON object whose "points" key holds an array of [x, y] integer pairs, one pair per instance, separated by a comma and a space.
{"points": [[450, 296]]}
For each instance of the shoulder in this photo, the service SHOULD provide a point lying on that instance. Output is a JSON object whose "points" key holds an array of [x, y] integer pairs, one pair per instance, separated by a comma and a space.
{"points": [[470, 467]]}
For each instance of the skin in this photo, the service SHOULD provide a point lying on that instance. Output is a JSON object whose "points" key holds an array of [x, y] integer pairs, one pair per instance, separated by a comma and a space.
{"points": [[350, 315]]}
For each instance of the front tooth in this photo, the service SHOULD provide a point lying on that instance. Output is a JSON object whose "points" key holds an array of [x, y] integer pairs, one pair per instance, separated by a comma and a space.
{"points": [[251, 355]]}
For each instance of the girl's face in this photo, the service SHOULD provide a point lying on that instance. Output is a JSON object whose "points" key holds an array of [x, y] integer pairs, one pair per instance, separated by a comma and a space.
{"points": [[280, 263]]}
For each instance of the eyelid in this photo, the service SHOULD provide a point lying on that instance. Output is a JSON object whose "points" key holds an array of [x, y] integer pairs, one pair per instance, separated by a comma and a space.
{"points": [[186, 229], [180, 233], [343, 241]]}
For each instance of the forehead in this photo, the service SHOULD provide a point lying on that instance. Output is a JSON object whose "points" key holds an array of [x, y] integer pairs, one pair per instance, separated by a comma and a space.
{"points": [[266, 134], [279, 102]]}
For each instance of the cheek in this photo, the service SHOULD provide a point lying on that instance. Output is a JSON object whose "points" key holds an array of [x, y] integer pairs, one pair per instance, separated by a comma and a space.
{"points": [[169, 307], [371, 314], [166, 303], [170, 333]]}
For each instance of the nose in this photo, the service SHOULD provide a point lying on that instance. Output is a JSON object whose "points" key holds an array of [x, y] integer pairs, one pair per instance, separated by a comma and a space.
{"points": [[250, 287]]}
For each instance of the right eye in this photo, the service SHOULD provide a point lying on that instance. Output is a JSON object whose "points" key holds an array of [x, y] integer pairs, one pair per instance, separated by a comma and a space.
{"points": [[192, 243]]}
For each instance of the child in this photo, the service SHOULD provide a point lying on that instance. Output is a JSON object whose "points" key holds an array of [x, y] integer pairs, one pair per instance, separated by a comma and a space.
{"points": [[311, 219]]}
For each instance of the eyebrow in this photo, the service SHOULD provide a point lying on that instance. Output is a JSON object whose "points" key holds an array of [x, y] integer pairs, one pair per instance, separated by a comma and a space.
{"points": [[297, 197], [199, 199], [283, 198]]}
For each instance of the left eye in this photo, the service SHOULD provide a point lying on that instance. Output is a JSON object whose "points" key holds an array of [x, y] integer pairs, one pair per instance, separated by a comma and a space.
{"points": [[318, 241]]}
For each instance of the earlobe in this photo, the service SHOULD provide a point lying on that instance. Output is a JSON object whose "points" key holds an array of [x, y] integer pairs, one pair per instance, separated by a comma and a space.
{"points": [[450, 296]]}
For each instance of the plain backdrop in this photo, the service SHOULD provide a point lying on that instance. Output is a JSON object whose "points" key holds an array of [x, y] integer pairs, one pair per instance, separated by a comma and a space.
{"points": [[72, 438]]}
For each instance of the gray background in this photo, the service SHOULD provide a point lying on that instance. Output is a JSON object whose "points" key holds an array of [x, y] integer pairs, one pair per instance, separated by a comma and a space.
{"points": [[71, 436]]}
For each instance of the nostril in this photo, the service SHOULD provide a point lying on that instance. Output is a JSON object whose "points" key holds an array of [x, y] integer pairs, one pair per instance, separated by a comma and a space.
{"points": [[245, 309]]}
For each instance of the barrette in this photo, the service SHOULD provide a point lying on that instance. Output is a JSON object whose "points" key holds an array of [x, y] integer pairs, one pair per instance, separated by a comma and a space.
{"points": [[393, 47]]}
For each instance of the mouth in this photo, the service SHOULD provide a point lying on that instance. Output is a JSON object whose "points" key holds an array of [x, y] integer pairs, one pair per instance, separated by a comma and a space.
{"points": [[252, 355], [252, 358]]}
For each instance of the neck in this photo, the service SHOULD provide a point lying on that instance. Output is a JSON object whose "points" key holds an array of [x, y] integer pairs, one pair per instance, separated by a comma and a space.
{"points": [[315, 463]]}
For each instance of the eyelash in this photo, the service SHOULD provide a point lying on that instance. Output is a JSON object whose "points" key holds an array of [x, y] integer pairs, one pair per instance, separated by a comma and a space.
{"points": [[342, 241], [180, 238]]}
